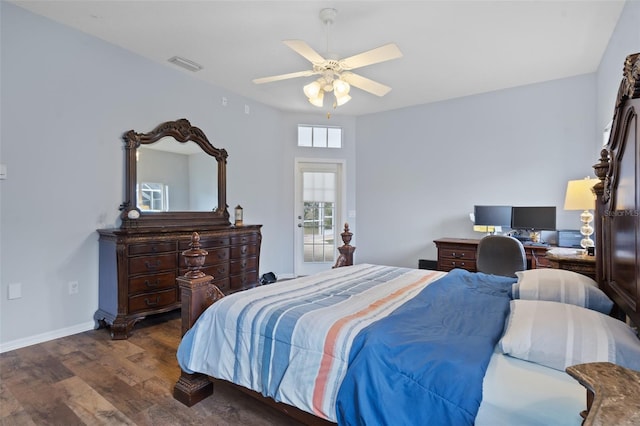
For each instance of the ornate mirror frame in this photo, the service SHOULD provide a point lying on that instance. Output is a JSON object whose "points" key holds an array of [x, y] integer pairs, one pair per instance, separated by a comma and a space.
{"points": [[182, 131]]}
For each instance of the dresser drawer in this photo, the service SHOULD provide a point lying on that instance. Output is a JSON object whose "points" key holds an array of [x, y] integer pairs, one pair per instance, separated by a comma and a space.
{"points": [[244, 239], [151, 248], [243, 265], [216, 271], [152, 301], [457, 253], [217, 255], [205, 243], [243, 281], [223, 284], [449, 264], [148, 264], [244, 250], [147, 283]]}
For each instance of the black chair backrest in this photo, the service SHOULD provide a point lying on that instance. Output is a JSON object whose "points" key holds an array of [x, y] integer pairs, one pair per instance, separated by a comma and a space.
{"points": [[500, 255]]}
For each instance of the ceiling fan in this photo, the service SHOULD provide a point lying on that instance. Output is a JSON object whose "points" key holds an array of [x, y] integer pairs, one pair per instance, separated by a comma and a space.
{"points": [[335, 74]]}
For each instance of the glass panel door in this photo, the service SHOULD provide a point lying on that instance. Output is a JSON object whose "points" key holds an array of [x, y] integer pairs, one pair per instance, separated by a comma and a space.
{"points": [[317, 198]]}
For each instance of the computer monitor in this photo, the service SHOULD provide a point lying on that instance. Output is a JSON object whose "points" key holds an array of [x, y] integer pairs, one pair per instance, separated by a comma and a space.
{"points": [[492, 215], [534, 218]]}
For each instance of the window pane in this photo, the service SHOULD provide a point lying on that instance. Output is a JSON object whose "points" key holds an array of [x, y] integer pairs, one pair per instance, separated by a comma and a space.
{"points": [[304, 136], [320, 137], [334, 138]]}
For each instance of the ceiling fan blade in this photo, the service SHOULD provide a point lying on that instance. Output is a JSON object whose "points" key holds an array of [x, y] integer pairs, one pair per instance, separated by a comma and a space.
{"points": [[365, 84], [303, 49], [284, 76], [373, 56]]}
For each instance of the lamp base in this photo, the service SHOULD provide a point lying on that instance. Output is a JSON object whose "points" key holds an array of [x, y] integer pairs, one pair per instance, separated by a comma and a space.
{"points": [[586, 230]]}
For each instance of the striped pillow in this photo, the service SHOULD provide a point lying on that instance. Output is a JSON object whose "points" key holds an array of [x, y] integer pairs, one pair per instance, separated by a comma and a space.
{"points": [[558, 335], [558, 285]]}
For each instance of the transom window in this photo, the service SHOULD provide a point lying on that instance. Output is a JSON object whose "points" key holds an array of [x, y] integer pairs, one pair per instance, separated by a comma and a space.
{"points": [[319, 136]]}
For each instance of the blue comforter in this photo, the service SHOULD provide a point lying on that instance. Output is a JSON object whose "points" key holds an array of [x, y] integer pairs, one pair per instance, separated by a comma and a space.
{"points": [[424, 364]]}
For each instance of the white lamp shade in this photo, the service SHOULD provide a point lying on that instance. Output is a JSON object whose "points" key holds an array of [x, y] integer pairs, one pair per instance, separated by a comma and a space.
{"points": [[340, 87], [342, 99], [580, 194], [312, 89], [317, 100]]}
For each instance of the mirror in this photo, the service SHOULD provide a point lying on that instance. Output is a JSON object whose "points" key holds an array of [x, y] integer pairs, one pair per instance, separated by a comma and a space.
{"points": [[176, 177], [173, 177]]}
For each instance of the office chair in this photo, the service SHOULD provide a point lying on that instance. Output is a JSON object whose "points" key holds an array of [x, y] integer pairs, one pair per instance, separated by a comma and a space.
{"points": [[500, 255]]}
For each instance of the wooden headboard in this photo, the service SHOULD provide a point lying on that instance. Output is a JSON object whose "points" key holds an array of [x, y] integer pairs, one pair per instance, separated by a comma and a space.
{"points": [[618, 199]]}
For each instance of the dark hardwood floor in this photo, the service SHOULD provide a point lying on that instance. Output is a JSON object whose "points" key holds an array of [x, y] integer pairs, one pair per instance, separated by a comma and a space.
{"points": [[89, 379]]}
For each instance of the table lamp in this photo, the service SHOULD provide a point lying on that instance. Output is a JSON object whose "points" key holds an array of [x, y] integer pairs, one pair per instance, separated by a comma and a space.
{"points": [[580, 196]]}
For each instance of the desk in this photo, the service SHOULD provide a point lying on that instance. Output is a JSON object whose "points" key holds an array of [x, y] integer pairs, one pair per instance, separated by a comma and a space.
{"points": [[580, 263], [461, 253]]}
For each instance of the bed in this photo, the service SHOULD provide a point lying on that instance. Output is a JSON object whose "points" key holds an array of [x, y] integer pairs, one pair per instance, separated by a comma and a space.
{"points": [[363, 344]]}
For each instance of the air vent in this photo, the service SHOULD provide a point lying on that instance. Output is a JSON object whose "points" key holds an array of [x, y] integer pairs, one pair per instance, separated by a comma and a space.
{"points": [[185, 63]]}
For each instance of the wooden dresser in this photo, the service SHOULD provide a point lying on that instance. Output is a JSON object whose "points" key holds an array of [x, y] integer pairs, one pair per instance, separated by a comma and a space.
{"points": [[461, 253], [138, 269]]}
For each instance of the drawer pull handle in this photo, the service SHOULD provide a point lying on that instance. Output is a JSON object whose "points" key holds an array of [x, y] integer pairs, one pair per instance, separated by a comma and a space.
{"points": [[457, 255], [152, 303], [244, 264], [243, 250], [152, 284], [152, 265]]}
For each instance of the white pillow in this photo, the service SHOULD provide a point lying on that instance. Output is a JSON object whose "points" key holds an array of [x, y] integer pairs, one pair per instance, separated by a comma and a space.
{"points": [[559, 285], [558, 335]]}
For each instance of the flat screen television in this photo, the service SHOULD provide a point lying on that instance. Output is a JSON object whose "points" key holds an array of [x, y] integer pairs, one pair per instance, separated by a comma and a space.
{"points": [[492, 215], [534, 218]]}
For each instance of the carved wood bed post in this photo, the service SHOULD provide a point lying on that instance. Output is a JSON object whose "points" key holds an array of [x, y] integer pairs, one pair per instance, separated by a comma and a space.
{"points": [[346, 251], [601, 169], [197, 293]]}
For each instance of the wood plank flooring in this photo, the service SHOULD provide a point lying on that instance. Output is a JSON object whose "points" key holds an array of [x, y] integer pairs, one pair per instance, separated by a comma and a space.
{"points": [[89, 379]]}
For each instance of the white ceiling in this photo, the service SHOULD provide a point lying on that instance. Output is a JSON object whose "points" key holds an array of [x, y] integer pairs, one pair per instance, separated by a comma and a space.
{"points": [[451, 48]]}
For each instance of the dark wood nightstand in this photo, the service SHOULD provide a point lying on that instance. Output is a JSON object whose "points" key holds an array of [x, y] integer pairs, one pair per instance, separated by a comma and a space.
{"points": [[580, 263]]}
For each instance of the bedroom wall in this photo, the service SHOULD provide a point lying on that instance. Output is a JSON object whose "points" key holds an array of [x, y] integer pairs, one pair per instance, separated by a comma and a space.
{"points": [[67, 98], [624, 41], [515, 147]]}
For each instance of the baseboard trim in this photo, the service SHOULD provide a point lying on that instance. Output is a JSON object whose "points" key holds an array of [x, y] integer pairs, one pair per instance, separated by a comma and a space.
{"points": [[45, 337]]}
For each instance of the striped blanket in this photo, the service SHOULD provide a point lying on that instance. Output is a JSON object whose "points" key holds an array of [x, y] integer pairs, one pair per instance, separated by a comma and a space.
{"points": [[291, 340]]}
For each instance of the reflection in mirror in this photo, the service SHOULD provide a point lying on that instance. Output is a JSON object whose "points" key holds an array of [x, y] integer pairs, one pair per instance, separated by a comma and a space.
{"points": [[176, 177]]}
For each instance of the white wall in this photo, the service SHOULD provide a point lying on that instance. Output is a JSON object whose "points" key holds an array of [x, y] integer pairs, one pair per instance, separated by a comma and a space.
{"points": [[516, 146], [511, 147], [624, 41]]}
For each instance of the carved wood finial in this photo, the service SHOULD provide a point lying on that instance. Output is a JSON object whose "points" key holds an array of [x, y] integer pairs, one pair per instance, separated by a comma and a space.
{"points": [[601, 169], [346, 251], [346, 235], [194, 257]]}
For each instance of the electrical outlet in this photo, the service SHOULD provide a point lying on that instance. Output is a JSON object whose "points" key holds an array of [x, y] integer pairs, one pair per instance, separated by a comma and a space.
{"points": [[73, 287]]}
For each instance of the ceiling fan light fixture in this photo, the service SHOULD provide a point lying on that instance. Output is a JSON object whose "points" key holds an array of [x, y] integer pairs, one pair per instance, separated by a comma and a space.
{"points": [[312, 90], [340, 87], [342, 99], [317, 100]]}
